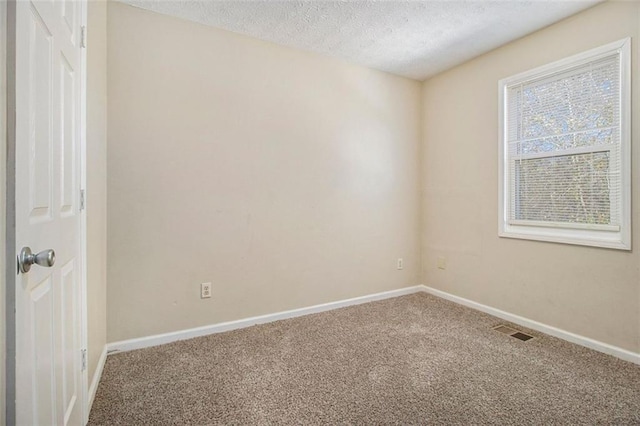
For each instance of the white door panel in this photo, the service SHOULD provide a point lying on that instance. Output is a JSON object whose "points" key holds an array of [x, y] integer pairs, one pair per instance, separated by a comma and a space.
{"points": [[39, 107], [49, 380], [41, 360], [69, 341]]}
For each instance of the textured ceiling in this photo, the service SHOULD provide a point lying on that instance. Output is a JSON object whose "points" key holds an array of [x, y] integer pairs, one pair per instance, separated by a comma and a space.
{"points": [[415, 39]]}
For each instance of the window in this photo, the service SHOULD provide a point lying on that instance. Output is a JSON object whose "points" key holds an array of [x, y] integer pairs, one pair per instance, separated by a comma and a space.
{"points": [[565, 163]]}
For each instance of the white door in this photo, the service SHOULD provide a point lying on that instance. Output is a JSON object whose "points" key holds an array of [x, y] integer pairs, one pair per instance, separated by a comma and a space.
{"points": [[49, 319]]}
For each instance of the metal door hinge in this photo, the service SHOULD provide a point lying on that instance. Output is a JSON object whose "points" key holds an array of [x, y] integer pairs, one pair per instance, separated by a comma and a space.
{"points": [[83, 36], [84, 359], [82, 200]]}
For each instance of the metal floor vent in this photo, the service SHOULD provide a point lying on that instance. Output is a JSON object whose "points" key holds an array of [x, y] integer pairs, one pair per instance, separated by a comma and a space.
{"points": [[513, 332]]}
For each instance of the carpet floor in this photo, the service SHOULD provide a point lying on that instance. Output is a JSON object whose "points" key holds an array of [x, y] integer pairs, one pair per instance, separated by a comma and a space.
{"points": [[415, 359]]}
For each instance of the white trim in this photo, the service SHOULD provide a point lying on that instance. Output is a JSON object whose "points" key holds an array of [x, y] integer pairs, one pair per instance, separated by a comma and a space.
{"points": [[565, 236], [590, 149], [614, 239], [160, 339], [538, 326], [97, 375]]}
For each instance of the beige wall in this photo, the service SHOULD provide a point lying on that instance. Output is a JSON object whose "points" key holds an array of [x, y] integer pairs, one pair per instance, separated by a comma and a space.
{"points": [[286, 178], [590, 291], [96, 181]]}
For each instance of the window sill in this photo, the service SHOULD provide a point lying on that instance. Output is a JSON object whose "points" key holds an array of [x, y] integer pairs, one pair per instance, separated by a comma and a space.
{"points": [[602, 239]]}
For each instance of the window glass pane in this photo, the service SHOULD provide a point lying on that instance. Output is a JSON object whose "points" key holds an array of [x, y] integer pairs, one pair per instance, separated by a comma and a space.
{"points": [[567, 188], [574, 101]]}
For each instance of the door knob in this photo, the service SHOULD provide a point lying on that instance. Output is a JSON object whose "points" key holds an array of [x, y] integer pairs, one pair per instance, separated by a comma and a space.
{"points": [[26, 258]]}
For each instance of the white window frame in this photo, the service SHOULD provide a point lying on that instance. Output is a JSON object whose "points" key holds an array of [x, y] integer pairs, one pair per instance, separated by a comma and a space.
{"points": [[598, 236]]}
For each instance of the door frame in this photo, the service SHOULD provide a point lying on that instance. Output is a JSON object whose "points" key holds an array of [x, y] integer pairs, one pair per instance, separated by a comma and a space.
{"points": [[3, 162], [83, 231], [9, 215], [7, 212]]}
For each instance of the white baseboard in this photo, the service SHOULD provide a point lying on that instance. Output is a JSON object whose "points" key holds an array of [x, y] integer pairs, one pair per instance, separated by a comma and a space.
{"points": [[160, 339], [538, 326], [93, 388]]}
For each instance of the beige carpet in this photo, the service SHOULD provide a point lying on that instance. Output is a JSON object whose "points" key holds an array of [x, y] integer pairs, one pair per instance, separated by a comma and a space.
{"points": [[415, 359]]}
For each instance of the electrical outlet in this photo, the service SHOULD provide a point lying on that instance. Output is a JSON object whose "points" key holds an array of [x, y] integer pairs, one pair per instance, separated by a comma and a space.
{"points": [[442, 263], [205, 290], [400, 263]]}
